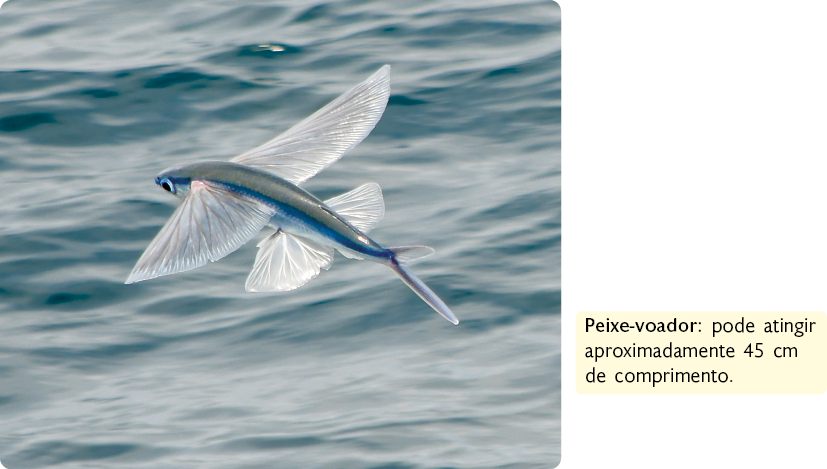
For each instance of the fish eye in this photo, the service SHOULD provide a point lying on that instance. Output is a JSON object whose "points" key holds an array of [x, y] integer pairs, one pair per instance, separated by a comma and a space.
{"points": [[167, 185]]}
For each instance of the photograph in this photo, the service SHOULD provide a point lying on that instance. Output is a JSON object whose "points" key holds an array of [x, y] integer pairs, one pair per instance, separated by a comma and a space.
{"points": [[280, 234]]}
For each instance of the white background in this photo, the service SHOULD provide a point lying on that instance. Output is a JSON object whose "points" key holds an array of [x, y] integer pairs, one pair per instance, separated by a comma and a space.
{"points": [[693, 180]]}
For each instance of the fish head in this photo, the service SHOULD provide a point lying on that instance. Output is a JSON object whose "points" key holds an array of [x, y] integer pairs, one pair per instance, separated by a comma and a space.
{"points": [[175, 180]]}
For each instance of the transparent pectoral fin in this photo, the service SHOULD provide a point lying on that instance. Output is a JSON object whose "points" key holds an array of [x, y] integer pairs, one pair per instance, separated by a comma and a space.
{"points": [[362, 207], [322, 138], [285, 262], [211, 223]]}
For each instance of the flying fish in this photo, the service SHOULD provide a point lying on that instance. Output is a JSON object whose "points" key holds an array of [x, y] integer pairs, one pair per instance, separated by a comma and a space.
{"points": [[225, 204]]}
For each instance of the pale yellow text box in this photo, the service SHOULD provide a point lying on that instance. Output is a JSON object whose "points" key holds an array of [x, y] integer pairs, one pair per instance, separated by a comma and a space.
{"points": [[701, 353]]}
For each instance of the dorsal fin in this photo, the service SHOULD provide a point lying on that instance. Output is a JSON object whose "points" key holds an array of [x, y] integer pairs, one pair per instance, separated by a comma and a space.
{"points": [[362, 207]]}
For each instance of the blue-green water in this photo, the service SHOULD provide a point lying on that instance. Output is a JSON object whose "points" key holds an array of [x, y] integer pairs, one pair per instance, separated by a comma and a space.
{"points": [[352, 370]]}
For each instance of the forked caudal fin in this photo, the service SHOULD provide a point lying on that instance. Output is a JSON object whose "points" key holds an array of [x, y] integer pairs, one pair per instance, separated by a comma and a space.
{"points": [[419, 287]]}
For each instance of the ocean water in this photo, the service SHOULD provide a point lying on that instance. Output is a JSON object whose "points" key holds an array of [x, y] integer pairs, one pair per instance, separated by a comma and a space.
{"points": [[352, 370]]}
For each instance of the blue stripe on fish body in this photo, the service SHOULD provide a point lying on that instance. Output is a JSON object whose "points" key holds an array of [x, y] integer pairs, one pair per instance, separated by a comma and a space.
{"points": [[297, 211], [295, 221]]}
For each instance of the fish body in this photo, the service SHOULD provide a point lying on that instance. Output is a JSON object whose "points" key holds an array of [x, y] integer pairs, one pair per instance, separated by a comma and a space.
{"points": [[295, 210], [225, 204]]}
